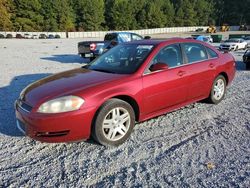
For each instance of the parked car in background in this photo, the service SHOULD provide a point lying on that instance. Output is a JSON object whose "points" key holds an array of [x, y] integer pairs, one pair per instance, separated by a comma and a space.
{"points": [[42, 36], [131, 82], [51, 36], [246, 59], [57, 36], [35, 37], [19, 36], [93, 49], [27, 36], [9, 36], [2, 36], [247, 39], [203, 38], [233, 44]]}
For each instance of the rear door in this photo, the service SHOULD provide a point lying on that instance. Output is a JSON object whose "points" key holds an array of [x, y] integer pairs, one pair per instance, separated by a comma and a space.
{"points": [[166, 88], [201, 67]]}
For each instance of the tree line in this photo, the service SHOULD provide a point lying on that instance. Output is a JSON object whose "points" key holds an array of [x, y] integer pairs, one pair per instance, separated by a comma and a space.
{"points": [[93, 15]]}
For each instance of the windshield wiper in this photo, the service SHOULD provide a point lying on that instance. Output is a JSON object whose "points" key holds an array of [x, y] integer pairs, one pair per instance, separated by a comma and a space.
{"points": [[103, 70]]}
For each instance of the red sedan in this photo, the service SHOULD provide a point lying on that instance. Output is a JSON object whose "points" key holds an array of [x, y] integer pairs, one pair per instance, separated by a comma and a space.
{"points": [[130, 83]]}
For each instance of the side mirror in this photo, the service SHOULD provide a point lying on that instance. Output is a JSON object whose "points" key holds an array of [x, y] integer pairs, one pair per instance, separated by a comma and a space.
{"points": [[158, 67], [114, 43], [147, 37]]}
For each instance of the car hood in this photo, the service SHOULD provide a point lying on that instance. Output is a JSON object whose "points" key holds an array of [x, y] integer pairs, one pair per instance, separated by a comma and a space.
{"points": [[65, 83]]}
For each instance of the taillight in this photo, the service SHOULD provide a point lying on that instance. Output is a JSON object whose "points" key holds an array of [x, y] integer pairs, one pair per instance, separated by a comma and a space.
{"points": [[92, 46]]}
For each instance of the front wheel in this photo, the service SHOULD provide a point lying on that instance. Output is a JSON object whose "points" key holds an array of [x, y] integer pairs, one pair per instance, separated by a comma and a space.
{"points": [[218, 90], [114, 123]]}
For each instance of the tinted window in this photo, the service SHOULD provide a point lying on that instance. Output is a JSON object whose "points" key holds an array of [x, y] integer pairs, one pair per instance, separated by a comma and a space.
{"points": [[110, 37], [136, 37], [195, 52], [170, 55], [211, 53]]}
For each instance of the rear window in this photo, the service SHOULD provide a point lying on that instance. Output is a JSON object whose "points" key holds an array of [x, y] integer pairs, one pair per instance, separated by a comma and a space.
{"points": [[195, 52], [110, 37], [211, 53]]}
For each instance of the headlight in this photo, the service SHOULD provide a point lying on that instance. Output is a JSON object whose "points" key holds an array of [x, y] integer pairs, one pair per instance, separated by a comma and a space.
{"points": [[62, 104]]}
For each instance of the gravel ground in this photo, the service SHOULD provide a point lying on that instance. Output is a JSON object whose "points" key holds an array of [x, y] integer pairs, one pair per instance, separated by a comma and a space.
{"points": [[200, 145]]}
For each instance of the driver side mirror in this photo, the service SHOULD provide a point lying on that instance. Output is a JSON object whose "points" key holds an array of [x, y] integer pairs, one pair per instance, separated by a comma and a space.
{"points": [[158, 66], [114, 43]]}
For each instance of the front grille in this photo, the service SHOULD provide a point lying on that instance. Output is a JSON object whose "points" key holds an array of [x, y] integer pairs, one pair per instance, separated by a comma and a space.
{"points": [[52, 134], [24, 106]]}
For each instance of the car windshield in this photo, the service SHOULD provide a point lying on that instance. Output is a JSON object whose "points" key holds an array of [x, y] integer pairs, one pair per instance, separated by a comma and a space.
{"points": [[232, 40], [122, 59]]}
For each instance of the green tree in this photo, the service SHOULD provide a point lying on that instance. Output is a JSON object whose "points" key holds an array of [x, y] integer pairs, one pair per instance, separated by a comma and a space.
{"points": [[64, 15], [27, 15], [89, 14], [5, 15]]}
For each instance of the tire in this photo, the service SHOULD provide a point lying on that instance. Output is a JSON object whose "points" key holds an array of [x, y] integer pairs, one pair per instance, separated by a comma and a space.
{"points": [[218, 90], [248, 66], [106, 128]]}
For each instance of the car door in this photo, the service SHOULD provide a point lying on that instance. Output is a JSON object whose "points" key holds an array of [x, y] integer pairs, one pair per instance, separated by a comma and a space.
{"points": [[166, 88], [201, 68]]}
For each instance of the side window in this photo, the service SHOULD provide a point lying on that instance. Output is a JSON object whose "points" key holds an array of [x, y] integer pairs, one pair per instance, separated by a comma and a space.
{"points": [[211, 53], [136, 37], [195, 52], [124, 37], [170, 55]]}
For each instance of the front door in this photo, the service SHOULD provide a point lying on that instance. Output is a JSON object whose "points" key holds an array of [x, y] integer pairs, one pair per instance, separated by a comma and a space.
{"points": [[165, 88]]}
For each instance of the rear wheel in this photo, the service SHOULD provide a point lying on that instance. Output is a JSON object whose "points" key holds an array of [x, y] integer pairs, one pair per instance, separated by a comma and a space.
{"points": [[114, 123], [218, 90]]}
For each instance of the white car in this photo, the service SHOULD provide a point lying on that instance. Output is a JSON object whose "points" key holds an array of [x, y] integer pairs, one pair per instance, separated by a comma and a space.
{"points": [[247, 39], [27, 36], [233, 44], [35, 37]]}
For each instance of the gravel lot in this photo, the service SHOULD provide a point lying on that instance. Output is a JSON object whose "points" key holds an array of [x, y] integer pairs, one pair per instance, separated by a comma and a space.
{"points": [[200, 145]]}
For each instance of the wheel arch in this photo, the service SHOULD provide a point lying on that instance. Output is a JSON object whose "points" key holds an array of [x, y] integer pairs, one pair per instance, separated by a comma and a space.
{"points": [[224, 74], [130, 100]]}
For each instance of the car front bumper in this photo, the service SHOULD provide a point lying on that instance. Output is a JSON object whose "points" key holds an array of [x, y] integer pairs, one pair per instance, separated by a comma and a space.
{"points": [[228, 48], [61, 127]]}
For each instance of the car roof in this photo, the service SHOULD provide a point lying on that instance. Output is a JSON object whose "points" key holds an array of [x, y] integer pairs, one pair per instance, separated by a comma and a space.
{"points": [[160, 41], [121, 32]]}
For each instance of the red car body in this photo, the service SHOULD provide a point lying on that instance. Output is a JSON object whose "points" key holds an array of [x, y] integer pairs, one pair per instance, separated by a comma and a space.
{"points": [[150, 95]]}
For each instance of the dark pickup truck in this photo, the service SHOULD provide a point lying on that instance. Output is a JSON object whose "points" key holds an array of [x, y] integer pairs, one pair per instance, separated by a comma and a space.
{"points": [[93, 49]]}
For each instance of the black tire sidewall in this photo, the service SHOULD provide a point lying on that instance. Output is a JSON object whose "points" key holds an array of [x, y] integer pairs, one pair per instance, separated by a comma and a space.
{"points": [[211, 97], [97, 131]]}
